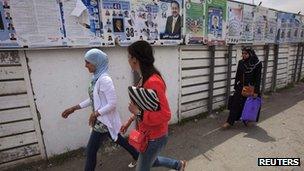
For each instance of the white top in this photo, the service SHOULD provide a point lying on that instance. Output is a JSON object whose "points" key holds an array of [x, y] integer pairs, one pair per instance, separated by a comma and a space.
{"points": [[105, 101]]}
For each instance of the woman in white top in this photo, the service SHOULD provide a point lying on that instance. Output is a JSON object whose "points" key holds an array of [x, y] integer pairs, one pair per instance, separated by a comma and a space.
{"points": [[104, 118]]}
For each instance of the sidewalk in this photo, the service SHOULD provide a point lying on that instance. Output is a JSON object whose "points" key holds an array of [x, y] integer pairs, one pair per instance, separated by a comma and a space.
{"points": [[280, 133]]}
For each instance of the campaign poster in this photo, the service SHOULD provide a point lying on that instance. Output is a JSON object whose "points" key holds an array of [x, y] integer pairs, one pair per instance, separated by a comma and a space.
{"points": [[143, 20], [115, 19], [37, 23], [247, 26], [260, 21], [170, 21], [216, 21], [235, 17], [271, 26], [301, 35], [285, 26], [8, 36], [195, 19], [296, 32], [82, 25]]}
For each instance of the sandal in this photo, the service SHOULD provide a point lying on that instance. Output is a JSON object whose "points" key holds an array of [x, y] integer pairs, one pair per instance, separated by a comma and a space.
{"points": [[183, 165], [132, 164], [226, 125]]}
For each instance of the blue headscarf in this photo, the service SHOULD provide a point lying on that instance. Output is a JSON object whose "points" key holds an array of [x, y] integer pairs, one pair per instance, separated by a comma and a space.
{"points": [[100, 60]]}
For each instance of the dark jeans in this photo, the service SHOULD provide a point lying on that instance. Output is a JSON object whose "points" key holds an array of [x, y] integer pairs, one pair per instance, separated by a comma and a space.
{"points": [[150, 158], [95, 141]]}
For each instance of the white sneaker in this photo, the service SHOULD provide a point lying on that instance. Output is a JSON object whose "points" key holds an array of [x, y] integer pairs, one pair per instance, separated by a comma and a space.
{"points": [[132, 164]]}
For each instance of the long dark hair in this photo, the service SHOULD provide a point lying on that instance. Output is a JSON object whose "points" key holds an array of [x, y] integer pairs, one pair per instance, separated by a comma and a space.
{"points": [[143, 52]]}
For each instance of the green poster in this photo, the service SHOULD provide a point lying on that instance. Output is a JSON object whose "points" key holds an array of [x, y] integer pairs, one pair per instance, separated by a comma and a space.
{"points": [[195, 19], [216, 14]]}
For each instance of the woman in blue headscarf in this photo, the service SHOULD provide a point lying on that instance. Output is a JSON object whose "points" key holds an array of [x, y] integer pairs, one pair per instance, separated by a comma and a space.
{"points": [[104, 118]]}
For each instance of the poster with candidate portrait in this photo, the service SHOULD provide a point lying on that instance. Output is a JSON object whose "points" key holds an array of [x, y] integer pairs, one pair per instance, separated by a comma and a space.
{"points": [[247, 24], [296, 29], [285, 23], [170, 21], [195, 22], [301, 34], [260, 21], [216, 21], [82, 23], [114, 16], [8, 36], [271, 26], [143, 20], [235, 17]]}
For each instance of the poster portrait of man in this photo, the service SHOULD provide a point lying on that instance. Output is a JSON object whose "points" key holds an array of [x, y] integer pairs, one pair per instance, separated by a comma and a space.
{"points": [[173, 24], [118, 25]]}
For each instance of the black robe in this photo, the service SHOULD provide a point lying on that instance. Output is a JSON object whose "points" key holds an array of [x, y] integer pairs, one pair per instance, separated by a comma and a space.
{"points": [[244, 78]]}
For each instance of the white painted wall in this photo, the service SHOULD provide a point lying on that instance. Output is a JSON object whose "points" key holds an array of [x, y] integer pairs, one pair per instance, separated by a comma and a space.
{"points": [[60, 80]]}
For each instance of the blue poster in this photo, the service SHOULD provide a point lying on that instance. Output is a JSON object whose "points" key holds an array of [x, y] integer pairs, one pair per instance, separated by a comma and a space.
{"points": [[8, 36], [285, 26], [95, 21], [115, 16], [215, 24]]}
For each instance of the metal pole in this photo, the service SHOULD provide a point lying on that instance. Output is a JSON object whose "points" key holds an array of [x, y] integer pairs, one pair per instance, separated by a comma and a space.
{"points": [[229, 69], [266, 57], [301, 63], [275, 67], [211, 79], [294, 77]]}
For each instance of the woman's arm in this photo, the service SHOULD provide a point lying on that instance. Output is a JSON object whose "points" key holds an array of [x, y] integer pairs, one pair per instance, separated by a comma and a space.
{"points": [[237, 75], [85, 103], [257, 78], [69, 111]]}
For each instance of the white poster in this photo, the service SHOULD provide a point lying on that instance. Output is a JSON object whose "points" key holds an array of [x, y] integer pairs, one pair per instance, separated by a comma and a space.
{"points": [[271, 26], [37, 23], [235, 17], [82, 23], [8, 36], [247, 31], [296, 32], [302, 29], [260, 21], [145, 15]]}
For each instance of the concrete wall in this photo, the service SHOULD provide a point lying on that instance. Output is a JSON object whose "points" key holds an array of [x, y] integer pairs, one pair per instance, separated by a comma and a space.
{"points": [[60, 80]]}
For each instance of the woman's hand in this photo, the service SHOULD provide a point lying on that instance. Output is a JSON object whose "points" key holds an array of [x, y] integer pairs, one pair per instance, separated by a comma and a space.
{"points": [[92, 119], [133, 108], [125, 126], [69, 111]]}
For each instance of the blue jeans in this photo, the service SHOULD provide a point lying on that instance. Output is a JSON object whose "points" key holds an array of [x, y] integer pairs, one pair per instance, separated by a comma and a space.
{"points": [[150, 157], [95, 141]]}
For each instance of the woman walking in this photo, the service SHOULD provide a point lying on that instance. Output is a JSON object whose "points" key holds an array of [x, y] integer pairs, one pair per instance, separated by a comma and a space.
{"points": [[154, 123], [104, 118], [248, 74]]}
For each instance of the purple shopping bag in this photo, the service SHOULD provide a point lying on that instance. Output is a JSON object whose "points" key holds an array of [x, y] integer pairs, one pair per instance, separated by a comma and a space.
{"points": [[251, 109]]}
